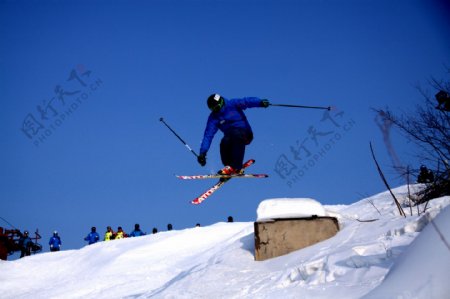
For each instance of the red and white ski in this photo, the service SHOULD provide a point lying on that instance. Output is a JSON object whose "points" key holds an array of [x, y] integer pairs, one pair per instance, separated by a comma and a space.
{"points": [[219, 184], [223, 176]]}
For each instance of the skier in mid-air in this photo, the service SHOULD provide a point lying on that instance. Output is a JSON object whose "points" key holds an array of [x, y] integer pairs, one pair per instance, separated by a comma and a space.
{"points": [[228, 116]]}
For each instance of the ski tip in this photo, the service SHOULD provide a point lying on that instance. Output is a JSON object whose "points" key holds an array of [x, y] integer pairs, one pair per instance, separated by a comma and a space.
{"points": [[248, 163]]}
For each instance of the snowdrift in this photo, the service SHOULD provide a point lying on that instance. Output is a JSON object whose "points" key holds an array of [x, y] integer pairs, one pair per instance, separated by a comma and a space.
{"points": [[376, 259]]}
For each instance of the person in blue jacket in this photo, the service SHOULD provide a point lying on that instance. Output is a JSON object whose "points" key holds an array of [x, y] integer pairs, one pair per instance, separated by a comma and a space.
{"points": [[228, 116], [55, 242], [25, 244], [137, 232], [93, 236]]}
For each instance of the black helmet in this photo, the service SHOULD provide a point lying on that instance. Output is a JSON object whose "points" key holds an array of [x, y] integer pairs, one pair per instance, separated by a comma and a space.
{"points": [[215, 102]]}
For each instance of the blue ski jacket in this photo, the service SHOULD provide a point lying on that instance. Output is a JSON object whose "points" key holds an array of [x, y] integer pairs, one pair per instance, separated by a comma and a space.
{"points": [[25, 242], [55, 242], [92, 238], [228, 119], [137, 233]]}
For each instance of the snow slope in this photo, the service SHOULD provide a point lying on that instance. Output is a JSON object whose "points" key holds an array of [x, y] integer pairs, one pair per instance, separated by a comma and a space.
{"points": [[376, 259]]}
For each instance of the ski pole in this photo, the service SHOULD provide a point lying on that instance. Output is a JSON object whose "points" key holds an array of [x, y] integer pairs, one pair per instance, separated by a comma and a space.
{"points": [[185, 144], [302, 106]]}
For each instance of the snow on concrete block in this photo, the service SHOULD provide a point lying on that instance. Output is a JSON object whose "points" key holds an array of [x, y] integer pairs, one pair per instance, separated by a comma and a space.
{"points": [[286, 208]]}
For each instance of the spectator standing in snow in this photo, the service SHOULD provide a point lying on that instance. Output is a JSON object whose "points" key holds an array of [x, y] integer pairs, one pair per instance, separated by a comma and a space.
{"points": [[93, 236], [120, 234], [230, 219], [137, 231], [443, 99], [155, 230], [109, 235], [55, 242], [25, 244], [425, 175], [169, 227]]}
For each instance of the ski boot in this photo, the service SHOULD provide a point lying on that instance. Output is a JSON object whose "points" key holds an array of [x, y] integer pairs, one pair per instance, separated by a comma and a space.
{"points": [[227, 170]]}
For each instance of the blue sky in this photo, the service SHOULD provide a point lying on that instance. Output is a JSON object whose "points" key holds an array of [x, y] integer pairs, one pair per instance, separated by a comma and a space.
{"points": [[84, 83]]}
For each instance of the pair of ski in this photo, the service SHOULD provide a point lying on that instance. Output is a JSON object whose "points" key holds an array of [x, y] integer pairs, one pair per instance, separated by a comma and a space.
{"points": [[222, 180]]}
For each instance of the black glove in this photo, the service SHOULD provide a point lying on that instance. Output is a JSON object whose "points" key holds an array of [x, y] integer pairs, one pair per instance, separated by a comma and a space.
{"points": [[265, 103], [202, 159]]}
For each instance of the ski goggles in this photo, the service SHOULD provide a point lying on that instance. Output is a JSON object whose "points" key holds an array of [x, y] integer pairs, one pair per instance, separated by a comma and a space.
{"points": [[216, 104]]}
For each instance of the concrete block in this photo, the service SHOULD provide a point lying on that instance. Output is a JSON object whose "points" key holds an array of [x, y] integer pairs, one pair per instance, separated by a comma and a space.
{"points": [[281, 236]]}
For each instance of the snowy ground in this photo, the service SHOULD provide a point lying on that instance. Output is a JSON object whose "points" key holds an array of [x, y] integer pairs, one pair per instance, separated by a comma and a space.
{"points": [[376, 259]]}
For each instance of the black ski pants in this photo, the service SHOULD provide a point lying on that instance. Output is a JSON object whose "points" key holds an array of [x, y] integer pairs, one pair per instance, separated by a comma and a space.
{"points": [[232, 147]]}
